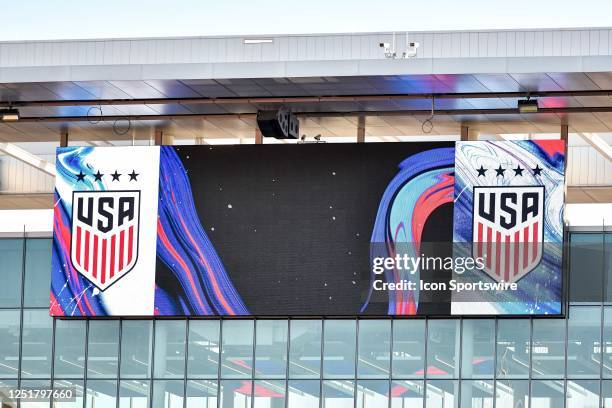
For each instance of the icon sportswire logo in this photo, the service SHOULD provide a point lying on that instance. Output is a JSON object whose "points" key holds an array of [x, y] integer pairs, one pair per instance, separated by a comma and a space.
{"points": [[508, 229], [104, 245]]}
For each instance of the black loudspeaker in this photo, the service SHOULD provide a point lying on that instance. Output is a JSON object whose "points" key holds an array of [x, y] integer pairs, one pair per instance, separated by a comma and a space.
{"points": [[279, 124]]}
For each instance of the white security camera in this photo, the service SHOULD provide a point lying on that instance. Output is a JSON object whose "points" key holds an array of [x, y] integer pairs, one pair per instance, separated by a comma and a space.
{"points": [[411, 49], [384, 45]]}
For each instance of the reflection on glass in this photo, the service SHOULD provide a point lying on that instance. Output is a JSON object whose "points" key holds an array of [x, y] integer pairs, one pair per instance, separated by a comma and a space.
{"points": [[235, 393], [478, 348], [69, 348], [103, 349], [339, 348], [607, 343], [477, 393], [269, 394], [169, 349], [36, 344], [512, 394], [372, 393], [407, 394], [37, 385], [548, 349], [546, 394], [442, 348], [606, 393], [441, 394], [9, 346], [101, 394], [203, 349], [305, 349], [583, 341], [237, 349], [11, 253], [374, 348], [303, 394], [271, 349], [201, 394], [134, 394], [168, 393], [338, 394], [408, 348], [37, 276], [76, 386], [4, 398], [513, 348], [582, 394], [136, 346]]}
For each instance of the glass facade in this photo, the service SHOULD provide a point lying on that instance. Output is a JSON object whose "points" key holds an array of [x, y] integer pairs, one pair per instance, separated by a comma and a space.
{"points": [[310, 363]]}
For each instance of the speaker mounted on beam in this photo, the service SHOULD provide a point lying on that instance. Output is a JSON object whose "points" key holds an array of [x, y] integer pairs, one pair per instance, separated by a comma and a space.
{"points": [[278, 123]]}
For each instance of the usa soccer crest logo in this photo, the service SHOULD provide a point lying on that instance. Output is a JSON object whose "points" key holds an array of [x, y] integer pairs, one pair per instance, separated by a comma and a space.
{"points": [[104, 245], [508, 229]]}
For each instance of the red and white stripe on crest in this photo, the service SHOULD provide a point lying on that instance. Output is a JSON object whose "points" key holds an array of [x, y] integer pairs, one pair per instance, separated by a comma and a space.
{"points": [[104, 256], [508, 256]]}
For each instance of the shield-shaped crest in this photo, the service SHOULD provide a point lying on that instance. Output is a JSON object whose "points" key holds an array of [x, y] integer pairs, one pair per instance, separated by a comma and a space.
{"points": [[508, 230], [104, 244]]}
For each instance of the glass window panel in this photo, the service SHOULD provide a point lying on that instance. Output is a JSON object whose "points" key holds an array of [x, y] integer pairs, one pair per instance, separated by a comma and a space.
{"points": [[582, 394], [407, 394], [374, 348], [305, 349], [201, 394], [546, 394], [203, 349], [303, 394], [586, 256], [101, 394], [442, 348], [11, 253], [372, 393], [441, 394], [607, 343], [408, 348], [339, 348], [584, 341], [237, 349], [269, 394], [5, 402], [37, 276], [103, 348], [69, 357], [478, 347], [512, 394], [606, 393], [271, 349], [513, 348], [169, 349], [9, 346], [134, 394], [235, 393], [168, 393], [136, 348], [548, 349], [477, 393], [76, 386], [36, 385], [36, 344], [338, 393]]}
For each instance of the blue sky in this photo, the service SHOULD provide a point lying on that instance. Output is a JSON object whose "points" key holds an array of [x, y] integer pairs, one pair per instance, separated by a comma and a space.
{"points": [[65, 19]]}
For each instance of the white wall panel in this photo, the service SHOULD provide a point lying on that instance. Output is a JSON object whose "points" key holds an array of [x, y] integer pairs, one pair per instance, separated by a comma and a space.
{"points": [[458, 44]]}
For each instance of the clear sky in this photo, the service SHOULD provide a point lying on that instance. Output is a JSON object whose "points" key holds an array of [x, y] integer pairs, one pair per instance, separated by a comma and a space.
{"points": [[69, 19]]}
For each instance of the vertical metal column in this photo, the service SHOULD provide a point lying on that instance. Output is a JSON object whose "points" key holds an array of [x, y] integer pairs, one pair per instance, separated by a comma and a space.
{"points": [[361, 129]]}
